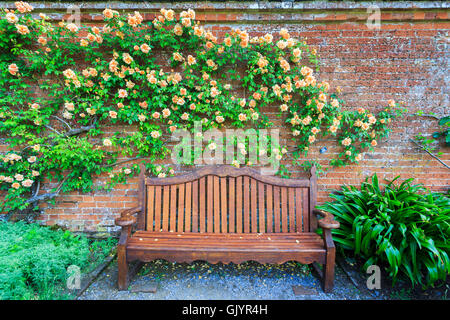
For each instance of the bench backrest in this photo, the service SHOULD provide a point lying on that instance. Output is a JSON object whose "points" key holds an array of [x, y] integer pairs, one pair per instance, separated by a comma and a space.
{"points": [[225, 199]]}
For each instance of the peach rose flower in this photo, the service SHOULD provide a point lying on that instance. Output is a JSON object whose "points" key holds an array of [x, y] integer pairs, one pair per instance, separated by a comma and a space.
{"points": [[13, 69], [191, 60], [11, 17], [107, 142], [108, 13], [22, 29], [169, 15], [113, 114], [123, 93], [27, 183], [242, 117], [72, 27], [155, 134], [346, 142], [284, 34]]}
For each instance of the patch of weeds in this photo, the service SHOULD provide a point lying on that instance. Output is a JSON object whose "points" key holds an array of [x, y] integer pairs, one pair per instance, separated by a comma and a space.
{"points": [[402, 294], [34, 260], [144, 271], [303, 268]]}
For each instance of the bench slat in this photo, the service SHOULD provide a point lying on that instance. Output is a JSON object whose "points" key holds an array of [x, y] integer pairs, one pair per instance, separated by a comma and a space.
{"points": [[158, 191], [173, 208], [305, 202], [276, 208], [291, 194], [246, 204], [166, 203], [269, 198], [195, 206], [209, 206], [223, 205], [284, 212], [202, 244], [261, 208], [180, 211], [231, 204], [239, 204], [187, 207], [237, 236], [202, 204], [254, 208], [150, 207], [298, 210], [250, 240], [216, 205]]}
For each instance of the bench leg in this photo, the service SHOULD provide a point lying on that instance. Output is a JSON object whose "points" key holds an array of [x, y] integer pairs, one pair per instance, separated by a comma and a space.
{"points": [[328, 274], [122, 277]]}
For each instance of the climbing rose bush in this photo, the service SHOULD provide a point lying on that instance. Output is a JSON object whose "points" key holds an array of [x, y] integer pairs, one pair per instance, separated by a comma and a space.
{"points": [[62, 86]]}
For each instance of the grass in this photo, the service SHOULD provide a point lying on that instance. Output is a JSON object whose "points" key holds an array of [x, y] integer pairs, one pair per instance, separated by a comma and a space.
{"points": [[34, 260]]}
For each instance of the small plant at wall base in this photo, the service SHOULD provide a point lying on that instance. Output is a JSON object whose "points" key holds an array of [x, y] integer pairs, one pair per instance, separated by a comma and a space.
{"points": [[111, 77], [401, 226]]}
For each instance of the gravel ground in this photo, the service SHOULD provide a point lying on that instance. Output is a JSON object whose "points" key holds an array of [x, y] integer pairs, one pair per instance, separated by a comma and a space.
{"points": [[204, 281]]}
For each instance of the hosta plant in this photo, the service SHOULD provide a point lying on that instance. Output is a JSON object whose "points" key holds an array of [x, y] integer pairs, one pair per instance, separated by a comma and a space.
{"points": [[401, 226]]}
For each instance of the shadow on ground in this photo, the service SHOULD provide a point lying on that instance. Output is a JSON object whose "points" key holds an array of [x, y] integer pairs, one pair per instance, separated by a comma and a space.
{"points": [[207, 281]]}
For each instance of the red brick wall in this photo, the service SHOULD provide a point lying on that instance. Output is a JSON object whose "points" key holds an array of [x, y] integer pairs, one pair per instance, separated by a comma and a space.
{"points": [[405, 60]]}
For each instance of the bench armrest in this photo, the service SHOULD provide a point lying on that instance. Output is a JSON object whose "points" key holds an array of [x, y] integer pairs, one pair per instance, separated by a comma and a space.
{"points": [[127, 217], [126, 220], [328, 221]]}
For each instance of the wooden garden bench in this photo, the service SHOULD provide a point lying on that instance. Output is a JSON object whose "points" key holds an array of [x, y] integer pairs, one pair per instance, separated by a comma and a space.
{"points": [[225, 214]]}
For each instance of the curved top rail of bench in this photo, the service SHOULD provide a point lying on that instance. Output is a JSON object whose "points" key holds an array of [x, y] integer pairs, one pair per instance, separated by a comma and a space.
{"points": [[230, 171]]}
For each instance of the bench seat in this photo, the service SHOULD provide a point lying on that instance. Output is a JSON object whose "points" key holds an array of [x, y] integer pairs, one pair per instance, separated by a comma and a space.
{"points": [[226, 248]]}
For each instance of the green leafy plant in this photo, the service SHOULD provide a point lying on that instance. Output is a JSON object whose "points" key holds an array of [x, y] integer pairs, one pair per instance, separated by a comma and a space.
{"points": [[445, 133], [34, 259], [404, 226], [106, 92], [430, 144]]}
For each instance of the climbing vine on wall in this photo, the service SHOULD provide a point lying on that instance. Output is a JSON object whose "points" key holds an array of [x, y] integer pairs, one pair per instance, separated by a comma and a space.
{"points": [[62, 86]]}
